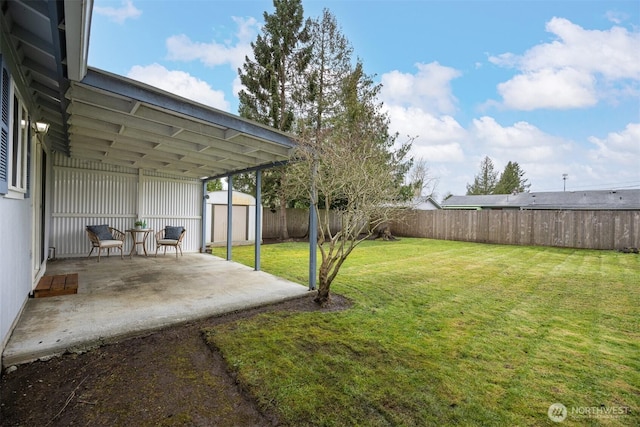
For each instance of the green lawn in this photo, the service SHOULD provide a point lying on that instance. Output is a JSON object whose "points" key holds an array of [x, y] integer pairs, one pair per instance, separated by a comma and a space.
{"points": [[448, 333]]}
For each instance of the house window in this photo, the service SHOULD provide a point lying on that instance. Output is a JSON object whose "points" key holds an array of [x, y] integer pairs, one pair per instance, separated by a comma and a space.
{"points": [[19, 145], [15, 139]]}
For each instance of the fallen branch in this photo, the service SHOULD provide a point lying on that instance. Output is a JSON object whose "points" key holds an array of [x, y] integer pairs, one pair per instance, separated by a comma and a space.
{"points": [[66, 403]]}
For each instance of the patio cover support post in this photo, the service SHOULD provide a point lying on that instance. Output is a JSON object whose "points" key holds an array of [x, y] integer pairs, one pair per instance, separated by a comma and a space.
{"points": [[313, 228], [203, 225], [258, 231], [229, 215]]}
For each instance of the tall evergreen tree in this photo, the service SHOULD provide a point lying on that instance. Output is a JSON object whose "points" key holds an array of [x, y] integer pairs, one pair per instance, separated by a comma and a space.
{"points": [[485, 182], [331, 63], [281, 53], [512, 180]]}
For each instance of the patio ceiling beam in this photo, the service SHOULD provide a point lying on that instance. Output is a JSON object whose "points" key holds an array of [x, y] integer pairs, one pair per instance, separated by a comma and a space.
{"points": [[247, 170], [44, 92], [124, 119], [249, 145], [106, 150], [40, 73], [211, 147], [104, 156], [197, 126], [206, 131], [79, 123], [23, 36], [175, 158], [100, 98], [181, 106]]}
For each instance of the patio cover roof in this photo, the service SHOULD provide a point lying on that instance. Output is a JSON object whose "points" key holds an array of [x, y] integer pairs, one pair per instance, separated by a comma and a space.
{"points": [[119, 121], [95, 115]]}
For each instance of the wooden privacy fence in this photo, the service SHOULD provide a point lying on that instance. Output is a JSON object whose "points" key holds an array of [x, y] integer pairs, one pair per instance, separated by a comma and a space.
{"points": [[297, 223], [599, 229], [562, 228]]}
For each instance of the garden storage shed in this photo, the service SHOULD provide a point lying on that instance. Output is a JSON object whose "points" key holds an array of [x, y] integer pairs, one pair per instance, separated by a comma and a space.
{"points": [[244, 218]]}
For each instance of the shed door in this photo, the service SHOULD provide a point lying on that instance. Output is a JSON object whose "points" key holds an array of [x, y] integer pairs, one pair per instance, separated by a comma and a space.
{"points": [[219, 220], [239, 223]]}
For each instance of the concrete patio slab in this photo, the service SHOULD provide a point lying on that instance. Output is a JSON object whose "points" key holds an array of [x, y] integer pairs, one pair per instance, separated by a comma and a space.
{"points": [[122, 298]]}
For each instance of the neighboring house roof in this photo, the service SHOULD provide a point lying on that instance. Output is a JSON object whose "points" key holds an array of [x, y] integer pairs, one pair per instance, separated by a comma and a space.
{"points": [[567, 200], [99, 116], [426, 204]]}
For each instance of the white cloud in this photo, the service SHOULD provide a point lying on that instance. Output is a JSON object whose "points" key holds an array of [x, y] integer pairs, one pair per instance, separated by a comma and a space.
{"points": [[182, 48], [418, 106], [429, 89], [573, 70], [121, 14], [613, 163], [549, 88], [179, 83], [622, 148], [521, 142], [440, 153], [543, 157], [436, 138], [616, 17]]}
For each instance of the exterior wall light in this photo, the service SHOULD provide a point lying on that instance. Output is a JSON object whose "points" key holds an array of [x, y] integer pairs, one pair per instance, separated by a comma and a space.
{"points": [[42, 127]]}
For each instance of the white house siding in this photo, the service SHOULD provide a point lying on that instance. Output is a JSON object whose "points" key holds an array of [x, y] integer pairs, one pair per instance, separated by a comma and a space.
{"points": [[91, 193], [15, 261]]}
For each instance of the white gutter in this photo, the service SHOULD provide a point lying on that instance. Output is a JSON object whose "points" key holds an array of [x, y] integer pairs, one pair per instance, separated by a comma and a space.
{"points": [[77, 28]]}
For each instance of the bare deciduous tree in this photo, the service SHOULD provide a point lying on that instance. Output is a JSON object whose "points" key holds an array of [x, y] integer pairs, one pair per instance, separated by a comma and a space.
{"points": [[355, 168], [422, 180]]}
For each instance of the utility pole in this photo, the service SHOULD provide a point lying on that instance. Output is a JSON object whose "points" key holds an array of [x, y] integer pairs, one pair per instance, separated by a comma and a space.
{"points": [[564, 181]]}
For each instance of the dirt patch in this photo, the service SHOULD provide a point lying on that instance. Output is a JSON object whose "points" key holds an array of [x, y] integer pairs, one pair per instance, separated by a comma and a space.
{"points": [[170, 377]]}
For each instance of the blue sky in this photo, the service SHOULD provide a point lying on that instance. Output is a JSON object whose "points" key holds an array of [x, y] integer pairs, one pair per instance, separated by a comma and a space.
{"points": [[552, 85]]}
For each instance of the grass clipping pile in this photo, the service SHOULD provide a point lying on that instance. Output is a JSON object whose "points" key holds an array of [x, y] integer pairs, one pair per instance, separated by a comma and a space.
{"points": [[170, 377]]}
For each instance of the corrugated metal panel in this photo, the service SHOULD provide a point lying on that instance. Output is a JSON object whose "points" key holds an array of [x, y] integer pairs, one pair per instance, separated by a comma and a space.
{"points": [[83, 195], [171, 198], [94, 193], [173, 202], [72, 162]]}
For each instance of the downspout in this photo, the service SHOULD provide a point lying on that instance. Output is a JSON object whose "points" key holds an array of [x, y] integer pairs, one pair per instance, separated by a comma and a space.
{"points": [[203, 224], [229, 215], [258, 224]]}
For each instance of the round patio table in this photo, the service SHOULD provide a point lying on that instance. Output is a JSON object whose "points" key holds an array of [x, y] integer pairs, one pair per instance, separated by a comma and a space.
{"points": [[139, 240]]}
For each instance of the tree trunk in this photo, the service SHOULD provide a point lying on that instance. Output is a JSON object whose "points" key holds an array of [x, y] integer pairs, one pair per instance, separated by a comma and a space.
{"points": [[324, 296], [385, 234]]}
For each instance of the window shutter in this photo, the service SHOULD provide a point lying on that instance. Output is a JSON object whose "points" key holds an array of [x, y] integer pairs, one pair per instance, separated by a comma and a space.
{"points": [[4, 128]]}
